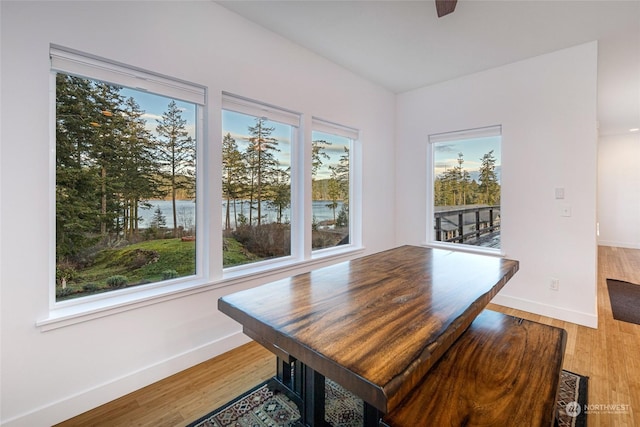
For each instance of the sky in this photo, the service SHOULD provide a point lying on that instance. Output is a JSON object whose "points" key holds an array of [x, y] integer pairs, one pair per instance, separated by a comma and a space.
{"points": [[155, 105], [237, 124], [446, 154]]}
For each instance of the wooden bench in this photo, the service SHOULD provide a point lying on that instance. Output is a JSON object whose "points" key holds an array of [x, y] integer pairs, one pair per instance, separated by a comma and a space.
{"points": [[503, 371]]}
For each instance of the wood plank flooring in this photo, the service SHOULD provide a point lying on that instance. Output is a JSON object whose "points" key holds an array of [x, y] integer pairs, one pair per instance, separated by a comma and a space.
{"points": [[609, 356], [188, 395]]}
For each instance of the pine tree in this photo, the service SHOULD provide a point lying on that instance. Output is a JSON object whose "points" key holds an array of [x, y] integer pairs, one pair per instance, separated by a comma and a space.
{"points": [[158, 221], [281, 192], [454, 186], [318, 153], [139, 166], [76, 182], [335, 195], [108, 123], [489, 187], [177, 153], [261, 162], [462, 177], [233, 171], [340, 180]]}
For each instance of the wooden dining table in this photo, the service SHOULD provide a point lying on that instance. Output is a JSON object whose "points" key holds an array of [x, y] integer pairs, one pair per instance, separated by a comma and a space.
{"points": [[375, 325]]}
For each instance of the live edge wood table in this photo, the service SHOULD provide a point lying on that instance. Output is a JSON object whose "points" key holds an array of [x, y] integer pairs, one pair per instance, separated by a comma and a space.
{"points": [[375, 325]]}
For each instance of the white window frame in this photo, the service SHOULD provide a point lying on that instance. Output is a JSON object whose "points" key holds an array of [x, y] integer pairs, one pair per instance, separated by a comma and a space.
{"points": [[355, 199], [209, 272], [493, 130], [243, 105], [73, 62]]}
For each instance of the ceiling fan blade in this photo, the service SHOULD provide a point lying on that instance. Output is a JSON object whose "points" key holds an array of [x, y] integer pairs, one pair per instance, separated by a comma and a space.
{"points": [[445, 7]]}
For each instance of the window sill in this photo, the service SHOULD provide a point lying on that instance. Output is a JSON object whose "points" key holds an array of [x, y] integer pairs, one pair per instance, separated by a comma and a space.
{"points": [[71, 314], [466, 248]]}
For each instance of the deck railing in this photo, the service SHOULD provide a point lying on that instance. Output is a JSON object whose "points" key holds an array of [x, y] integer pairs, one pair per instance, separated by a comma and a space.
{"points": [[454, 225]]}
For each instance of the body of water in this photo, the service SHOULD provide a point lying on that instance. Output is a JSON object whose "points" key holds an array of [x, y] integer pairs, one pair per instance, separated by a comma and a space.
{"points": [[186, 212]]}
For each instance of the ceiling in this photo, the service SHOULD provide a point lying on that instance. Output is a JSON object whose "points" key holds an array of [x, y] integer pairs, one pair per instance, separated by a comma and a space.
{"points": [[402, 45]]}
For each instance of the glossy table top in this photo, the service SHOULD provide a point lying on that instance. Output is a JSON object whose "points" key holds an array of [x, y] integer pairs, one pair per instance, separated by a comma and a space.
{"points": [[375, 324]]}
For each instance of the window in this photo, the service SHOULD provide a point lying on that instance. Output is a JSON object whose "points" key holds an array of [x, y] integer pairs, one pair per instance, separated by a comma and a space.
{"points": [[125, 176], [330, 184], [132, 210], [466, 168], [257, 146]]}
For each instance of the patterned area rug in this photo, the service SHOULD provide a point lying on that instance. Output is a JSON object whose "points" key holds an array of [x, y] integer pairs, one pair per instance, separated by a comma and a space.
{"points": [[265, 406], [572, 399]]}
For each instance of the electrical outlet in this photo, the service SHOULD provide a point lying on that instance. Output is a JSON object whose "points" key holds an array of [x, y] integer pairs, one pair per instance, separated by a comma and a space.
{"points": [[565, 210], [554, 284]]}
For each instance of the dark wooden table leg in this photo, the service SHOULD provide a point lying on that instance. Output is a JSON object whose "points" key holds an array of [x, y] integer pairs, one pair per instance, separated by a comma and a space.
{"points": [[372, 416], [283, 372], [313, 398], [298, 377]]}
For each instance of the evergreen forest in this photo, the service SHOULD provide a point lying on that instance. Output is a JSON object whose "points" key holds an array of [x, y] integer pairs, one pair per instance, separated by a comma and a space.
{"points": [[454, 186]]}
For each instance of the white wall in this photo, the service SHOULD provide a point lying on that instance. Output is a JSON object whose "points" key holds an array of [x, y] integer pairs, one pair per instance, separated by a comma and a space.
{"points": [[547, 107], [50, 376], [619, 190]]}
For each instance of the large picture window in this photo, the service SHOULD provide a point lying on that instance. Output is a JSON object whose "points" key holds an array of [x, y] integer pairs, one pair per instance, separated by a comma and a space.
{"points": [[125, 178], [466, 168], [134, 215]]}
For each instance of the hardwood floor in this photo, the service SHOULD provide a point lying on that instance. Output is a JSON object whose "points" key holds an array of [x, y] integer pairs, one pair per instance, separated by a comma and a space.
{"points": [[188, 395], [609, 356]]}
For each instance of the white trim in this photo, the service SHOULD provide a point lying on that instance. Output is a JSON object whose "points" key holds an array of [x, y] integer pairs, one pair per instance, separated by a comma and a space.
{"points": [[495, 130], [81, 64], [240, 104], [210, 274], [69, 406], [87, 306], [487, 131], [466, 248], [114, 302], [355, 185], [296, 181], [332, 128], [614, 244], [51, 288], [356, 173], [578, 317]]}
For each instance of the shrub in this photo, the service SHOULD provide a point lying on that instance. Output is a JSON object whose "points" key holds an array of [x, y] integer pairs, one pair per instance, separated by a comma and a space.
{"points": [[117, 281], [64, 292], [266, 240], [65, 272], [169, 274], [91, 287], [343, 217]]}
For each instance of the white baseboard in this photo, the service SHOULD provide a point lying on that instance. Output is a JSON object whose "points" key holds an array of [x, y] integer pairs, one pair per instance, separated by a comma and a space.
{"points": [[585, 319], [71, 406], [614, 244]]}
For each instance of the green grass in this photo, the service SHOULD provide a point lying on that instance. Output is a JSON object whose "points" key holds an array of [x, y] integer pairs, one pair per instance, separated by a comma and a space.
{"points": [[142, 262], [235, 254], [146, 262]]}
